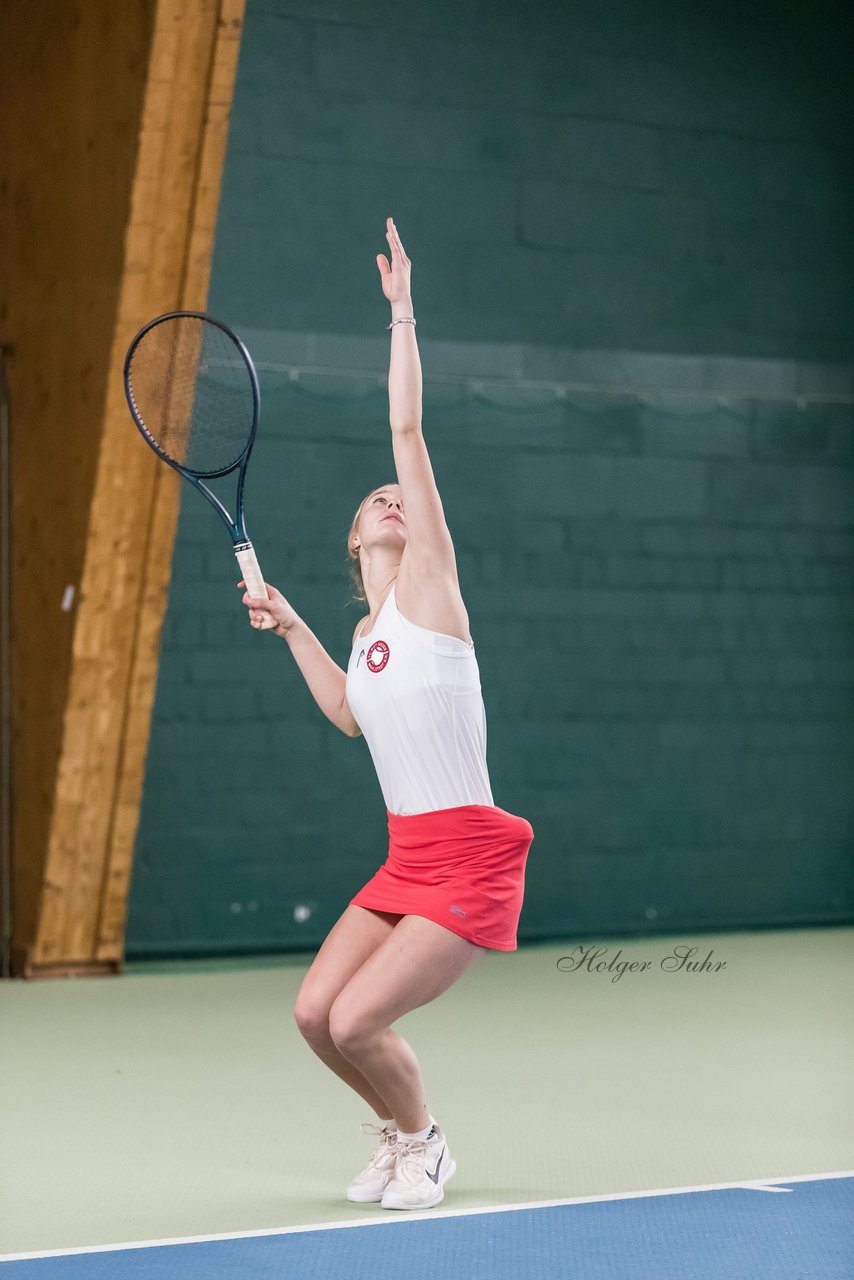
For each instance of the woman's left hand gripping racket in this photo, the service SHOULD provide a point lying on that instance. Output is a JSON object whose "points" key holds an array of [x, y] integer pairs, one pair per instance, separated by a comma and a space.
{"points": [[193, 392]]}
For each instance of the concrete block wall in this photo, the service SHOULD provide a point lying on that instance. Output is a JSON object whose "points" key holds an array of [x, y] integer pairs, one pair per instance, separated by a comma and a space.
{"points": [[664, 177], [659, 583]]}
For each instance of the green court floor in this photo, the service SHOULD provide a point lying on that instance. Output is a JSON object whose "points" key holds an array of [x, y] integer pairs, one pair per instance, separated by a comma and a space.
{"points": [[180, 1100]]}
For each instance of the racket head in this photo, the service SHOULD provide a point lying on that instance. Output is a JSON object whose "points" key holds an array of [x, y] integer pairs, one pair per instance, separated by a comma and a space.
{"points": [[193, 392]]}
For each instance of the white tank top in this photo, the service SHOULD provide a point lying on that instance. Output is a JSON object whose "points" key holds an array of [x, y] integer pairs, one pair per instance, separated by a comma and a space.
{"points": [[416, 696]]}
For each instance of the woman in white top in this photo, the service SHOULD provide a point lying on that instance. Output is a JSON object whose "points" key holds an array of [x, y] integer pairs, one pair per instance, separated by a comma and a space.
{"points": [[452, 884]]}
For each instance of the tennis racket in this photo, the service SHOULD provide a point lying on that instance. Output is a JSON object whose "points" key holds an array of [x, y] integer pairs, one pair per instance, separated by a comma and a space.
{"points": [[193, 392]]}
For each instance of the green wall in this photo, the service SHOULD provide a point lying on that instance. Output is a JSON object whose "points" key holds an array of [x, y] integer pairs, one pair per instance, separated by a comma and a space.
{"points": [[641, 219], [658, 176]]}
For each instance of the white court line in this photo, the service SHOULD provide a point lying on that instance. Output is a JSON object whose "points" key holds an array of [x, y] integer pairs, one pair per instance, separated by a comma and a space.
{"points": [[755, 1184]]}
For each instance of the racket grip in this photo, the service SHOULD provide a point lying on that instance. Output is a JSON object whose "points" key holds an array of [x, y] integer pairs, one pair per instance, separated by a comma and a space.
{"points": [[255, 583]]}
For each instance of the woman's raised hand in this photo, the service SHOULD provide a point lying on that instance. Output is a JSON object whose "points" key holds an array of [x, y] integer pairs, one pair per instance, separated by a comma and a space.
{"points": [[276, 606], [395, 278]]}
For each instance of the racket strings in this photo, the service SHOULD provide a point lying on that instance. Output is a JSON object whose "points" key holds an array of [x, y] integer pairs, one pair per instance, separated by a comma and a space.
{"points": [[193, 393]]}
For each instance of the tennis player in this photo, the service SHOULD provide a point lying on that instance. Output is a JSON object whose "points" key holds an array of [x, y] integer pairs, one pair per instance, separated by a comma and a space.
{"points": [[452, 885]]}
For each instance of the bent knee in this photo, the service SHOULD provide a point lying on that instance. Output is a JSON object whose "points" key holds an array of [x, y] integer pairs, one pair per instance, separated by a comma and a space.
{"points": [[349, 1027], [312, 1016]]}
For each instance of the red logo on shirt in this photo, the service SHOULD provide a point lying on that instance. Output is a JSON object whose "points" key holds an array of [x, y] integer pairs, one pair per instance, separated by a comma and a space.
{"points": [[380, 649]]}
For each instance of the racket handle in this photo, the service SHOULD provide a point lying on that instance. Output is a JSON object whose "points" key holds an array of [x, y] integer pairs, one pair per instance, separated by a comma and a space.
{"points": [[255, 583]]}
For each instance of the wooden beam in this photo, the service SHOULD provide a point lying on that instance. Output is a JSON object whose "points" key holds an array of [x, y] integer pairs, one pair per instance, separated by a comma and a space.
{"points": [[134, 507], [68, 167]]}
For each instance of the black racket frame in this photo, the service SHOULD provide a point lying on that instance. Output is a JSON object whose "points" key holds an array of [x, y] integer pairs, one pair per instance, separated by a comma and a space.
{"points": [[236, 527]]}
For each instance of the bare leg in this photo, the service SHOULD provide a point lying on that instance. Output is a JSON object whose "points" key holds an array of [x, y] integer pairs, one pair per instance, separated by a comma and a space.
{"points": [[351, 940], [416, 962]]}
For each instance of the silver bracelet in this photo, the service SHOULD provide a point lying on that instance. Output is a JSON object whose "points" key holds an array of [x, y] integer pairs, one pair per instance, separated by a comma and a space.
{"points": [[402, 320]]}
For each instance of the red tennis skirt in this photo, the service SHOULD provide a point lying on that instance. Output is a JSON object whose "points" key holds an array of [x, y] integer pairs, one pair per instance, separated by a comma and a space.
{"points": [[464, 868]]}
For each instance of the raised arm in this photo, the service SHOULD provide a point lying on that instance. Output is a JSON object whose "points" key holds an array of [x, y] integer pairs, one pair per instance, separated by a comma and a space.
{"points": [[429, 546]]}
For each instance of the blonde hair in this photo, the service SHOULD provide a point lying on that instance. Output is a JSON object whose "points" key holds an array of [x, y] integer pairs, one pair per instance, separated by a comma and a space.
{"points": [[353, 563]]}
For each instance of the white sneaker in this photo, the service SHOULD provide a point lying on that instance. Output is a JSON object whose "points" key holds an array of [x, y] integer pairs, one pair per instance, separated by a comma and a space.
{"points": [[421, 1169], [372, 1181]]}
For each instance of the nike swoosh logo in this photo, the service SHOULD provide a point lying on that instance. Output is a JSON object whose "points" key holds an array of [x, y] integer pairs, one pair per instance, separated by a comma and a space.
{"points": [[434, 1176]]}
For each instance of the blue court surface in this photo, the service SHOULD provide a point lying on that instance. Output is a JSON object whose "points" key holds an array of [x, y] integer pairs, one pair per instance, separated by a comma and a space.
{"points": [[788, 1229]]}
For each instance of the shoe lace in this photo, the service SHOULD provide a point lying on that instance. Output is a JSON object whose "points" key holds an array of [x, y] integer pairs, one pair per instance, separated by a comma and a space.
{"points": [[410, 1158], [387, 1138]]}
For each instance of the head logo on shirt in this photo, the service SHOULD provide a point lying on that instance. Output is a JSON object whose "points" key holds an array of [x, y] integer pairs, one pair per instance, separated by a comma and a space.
{"points": [[377, 655]]}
